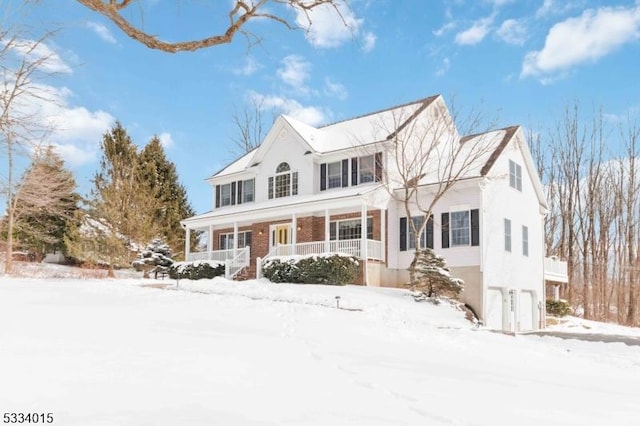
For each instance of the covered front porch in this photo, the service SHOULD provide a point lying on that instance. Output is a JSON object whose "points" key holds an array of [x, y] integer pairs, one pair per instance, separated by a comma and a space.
{"points": [[352, 225]]}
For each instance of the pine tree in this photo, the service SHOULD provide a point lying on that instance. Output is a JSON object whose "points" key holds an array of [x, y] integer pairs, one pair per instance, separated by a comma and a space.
{"points": [[433, 277], [45, 203], [120, 206], [170, 204]]}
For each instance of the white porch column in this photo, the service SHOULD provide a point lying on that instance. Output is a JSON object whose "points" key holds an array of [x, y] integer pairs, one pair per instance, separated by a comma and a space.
{"points": [[383, 234], [294, 233], [235, 239], [327, 231], [187, 245], [210, 242], [363, 242]]}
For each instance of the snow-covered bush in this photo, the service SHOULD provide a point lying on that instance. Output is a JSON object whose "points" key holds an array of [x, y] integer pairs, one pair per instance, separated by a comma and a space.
{"points": [[196, 270], [155, 257], [558, 308], [433, 277], [332, 269]]}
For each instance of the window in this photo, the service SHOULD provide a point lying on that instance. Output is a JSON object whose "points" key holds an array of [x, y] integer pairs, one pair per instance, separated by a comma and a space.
{"points": [[284, 183], [334, 175], [225, 195], [226, 240], [366, 171], [426, 238], [525, 241], [248, 190], [460, 228], [507, 235], [515, 175], [350, 229], [230, 194]]}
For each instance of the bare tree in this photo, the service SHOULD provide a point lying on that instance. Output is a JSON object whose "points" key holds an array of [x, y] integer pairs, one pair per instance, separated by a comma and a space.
{"points": [[23, 66], [238, 15], [429, 158], [249, 124]]}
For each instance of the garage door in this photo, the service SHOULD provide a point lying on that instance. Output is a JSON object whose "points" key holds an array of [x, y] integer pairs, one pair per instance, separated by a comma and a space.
{"points": [[493, 309], [526, 311]]}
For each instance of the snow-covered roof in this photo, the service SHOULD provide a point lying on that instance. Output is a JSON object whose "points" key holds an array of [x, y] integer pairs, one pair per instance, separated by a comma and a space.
{"points": [[369, 128]]}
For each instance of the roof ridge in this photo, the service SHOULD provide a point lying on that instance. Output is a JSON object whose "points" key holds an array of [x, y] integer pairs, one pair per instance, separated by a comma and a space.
{"points": [[428, 100]]}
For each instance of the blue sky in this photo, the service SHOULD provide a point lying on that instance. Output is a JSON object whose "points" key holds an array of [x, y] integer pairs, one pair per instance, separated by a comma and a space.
{"points": [[521, 61]]}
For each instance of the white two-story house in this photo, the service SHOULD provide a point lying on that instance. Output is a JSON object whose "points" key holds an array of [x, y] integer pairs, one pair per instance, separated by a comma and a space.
{"points": [[337, 188]]}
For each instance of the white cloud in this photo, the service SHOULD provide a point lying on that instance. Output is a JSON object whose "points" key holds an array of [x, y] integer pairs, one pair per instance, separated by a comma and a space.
{"points": [[444, 29], [166, 140], [250, 66], [368, 41], [545, 9], [102, 32], [476, 33], [34, 51], [307, 114], [75, 156], [513, 31], [586, 38], [446, 64], [295, 72], [327, 27], [335, 89]]}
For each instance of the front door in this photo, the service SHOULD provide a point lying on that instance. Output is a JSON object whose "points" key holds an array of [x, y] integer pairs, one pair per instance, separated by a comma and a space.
{"points": [[280, 234]]}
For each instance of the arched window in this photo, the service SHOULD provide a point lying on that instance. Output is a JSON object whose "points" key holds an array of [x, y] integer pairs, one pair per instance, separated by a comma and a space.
{"points": [[284, 183], [283, 167]]}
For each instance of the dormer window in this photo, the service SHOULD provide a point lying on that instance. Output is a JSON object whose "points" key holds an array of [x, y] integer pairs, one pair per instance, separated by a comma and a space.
{"points": [[284, 183]]}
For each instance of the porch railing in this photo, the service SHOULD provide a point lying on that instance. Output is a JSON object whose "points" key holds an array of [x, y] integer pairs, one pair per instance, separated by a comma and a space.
{"points": [[218, 255], [237, 263], [352, 247], [555, 270]]}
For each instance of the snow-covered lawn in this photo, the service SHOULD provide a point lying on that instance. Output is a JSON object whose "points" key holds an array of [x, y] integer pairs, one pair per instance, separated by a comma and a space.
{"points": [[110, 352]]}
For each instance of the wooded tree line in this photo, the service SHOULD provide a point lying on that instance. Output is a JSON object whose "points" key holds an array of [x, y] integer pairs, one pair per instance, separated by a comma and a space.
{"points": [[589, 163]]}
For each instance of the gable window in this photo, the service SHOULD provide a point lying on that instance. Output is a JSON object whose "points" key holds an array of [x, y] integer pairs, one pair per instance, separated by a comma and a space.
{"points": [[284, 183], [407, 240], [226, 240], [507, 235], [460, 228], [350, 229], [525, 241], [230, 194], [515, 175]]}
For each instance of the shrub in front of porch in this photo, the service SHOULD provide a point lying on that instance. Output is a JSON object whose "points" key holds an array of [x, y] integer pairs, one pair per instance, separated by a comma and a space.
{"points": [[196, 270], [332, 269]]}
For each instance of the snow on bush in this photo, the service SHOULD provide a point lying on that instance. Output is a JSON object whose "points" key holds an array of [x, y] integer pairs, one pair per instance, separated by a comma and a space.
{"points": [[155, 257], [328, 268], [196, 270]]}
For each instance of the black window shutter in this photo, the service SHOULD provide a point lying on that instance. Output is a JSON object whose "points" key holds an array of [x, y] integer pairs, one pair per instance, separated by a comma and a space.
{"points": [[378, 166], [430, 232], [345, 173], [323, 176], [475, 227], [271, 187], [233, 193], [239, 192], [247, 238], [403, 234], [217, 196], [354, 171], [445, 230]]}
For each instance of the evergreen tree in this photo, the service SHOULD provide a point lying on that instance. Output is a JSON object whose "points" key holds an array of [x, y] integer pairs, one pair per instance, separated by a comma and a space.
{"points": [[433, 277], [45, 203], [155, 257], [170, 204], [120, 208]]}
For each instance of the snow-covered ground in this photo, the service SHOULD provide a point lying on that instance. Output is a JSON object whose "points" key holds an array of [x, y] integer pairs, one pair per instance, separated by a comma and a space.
{"points": [[112, 352]]}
